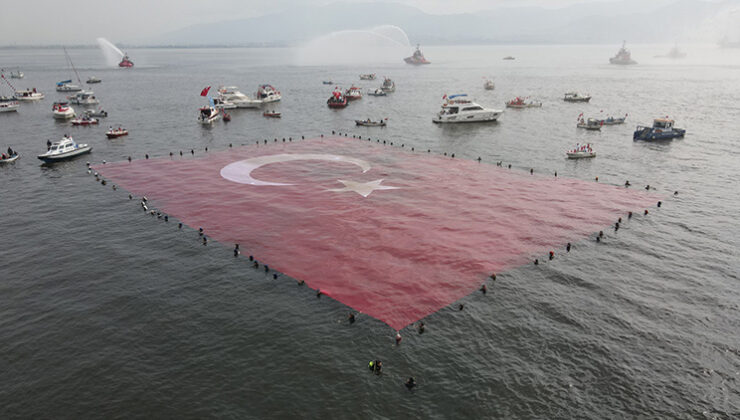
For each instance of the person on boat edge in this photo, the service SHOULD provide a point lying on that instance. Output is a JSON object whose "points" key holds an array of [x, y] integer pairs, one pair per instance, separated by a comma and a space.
{"points": [[11, 152], [376, 366]]}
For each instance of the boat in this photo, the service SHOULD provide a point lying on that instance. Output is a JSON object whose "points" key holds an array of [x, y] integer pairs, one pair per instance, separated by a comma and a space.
{"points": [[581, 152], [459, 109], [68, 86], [377, 92], [208, 114], [231, 94], [613, 121], [271, 114], [327, 82], [726, 42], [267, 94], [85, 98], [662, 129], [369, 76], [370, 123], [353, 93], [64, 149], [576, 97], [519, 103], [337, 100], [417, 58], [8, 104], [508, 58], [93, 79], [84, 120], [388, 85], [114, 133], [222, 103], [62, 111], [9, 159], [126, 62], [227, 117], [28, 95], [100, 113], [489, 85], [623, 57], [17, 74], [591, 124]]}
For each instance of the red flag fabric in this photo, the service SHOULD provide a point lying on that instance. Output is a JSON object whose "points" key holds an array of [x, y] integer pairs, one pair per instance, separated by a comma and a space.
{"points": [[394, 234], [205, 90]]}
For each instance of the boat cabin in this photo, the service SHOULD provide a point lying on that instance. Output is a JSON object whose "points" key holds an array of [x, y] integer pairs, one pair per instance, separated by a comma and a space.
{"points": [[454, 109], [67, 144], [663, 124]]}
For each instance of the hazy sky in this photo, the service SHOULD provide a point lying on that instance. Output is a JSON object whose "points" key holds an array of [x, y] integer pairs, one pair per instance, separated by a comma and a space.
{"points": [[53, 22]]}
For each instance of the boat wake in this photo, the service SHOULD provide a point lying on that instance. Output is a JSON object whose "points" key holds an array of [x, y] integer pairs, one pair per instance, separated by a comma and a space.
{"points": [[380, 44], [112, 54]]}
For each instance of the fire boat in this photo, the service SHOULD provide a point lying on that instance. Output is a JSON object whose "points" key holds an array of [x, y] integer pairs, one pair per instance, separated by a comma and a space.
{"points": [[126, 62]]}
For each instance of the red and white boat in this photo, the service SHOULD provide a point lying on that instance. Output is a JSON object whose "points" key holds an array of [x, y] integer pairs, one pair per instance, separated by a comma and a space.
{"points": [[353, 93], [271, 114], [126, 62], [84, 120], [523, 103], [62, 111], [337, 100], [114, 133], [208, 115]]}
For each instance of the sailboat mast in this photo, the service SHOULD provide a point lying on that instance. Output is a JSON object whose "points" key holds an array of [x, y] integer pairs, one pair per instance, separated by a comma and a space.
{"points": [[72, 65]]}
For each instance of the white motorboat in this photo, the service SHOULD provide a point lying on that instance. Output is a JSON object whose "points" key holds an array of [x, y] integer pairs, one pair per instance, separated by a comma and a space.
{"points": [[489, 85], [223, 103], [377, 92], [208, 115], [353, 93], [519, 103], [388, 85], [232, 95], [68, 86], [590, 124], [581, 152], [84, 97], [458, 109], [8, 104], [576, 97], [66, 148], [267, 94], [93, 79], [62, 111], [17, 74], [28, 95], [84, 120]]}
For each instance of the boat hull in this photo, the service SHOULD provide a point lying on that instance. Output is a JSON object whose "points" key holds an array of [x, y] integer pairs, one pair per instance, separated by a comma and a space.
{"points": [[115, 135], [589, 127], [580, 155], [370, 124], [577, 99], [30, 98], [475, 118], [65, 156], [63, 115], [10, 159], [9, 107], [649, 134]]}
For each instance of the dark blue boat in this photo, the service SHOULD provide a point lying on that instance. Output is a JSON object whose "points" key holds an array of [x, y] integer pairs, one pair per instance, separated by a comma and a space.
{"points": [[662, 129]]}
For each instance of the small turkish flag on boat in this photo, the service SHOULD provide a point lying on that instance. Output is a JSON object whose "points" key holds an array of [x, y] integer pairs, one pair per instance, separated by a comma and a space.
{"points": [[204, 92]]}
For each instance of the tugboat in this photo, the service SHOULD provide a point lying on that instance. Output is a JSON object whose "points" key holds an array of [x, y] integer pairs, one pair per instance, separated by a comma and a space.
{"points": [[623, 57], [388, 85], [62, 111], [576, 97], [126, 62], [114, 133], [337, 100], [662, 129], [64, 149], [519, 103], [581, 152], [369, 76], [353, 93], [417, 58]]}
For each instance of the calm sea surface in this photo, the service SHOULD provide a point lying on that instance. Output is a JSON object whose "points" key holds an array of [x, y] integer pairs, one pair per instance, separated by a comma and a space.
{"points": [[106, 312]]}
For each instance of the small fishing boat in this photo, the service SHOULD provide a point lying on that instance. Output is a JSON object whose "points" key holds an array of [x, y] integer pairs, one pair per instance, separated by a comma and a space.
{"points": [[377, 92], [369, 76], [64, 149], [126, 62], [337, 100], [489, 85], [8, 104], [613, 121], [100, 113], [591, 124], [208, 114], [623, 57], [268, 93], [662, 129], [370, 123], [85, 98], [508, 58], [417, 58], [581, 152], [28, 95], [353, 93], [92, 79], [9, 159], [114, 133], [327, 82], [519, 103], [388, 85], [17, 74], [67, 86], [62, 111], [271, 114], [84, 120], [576, 97]]}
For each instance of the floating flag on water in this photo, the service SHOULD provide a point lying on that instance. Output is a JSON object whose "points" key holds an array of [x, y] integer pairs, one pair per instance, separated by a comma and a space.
{"points": [[394, 234]]}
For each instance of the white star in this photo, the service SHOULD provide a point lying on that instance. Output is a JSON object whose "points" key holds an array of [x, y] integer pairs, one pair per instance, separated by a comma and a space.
{"points": [[362, 188]]}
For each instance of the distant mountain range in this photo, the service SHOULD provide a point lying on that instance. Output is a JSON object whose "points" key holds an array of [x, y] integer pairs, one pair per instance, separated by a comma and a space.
{"points": [[595, 22]]}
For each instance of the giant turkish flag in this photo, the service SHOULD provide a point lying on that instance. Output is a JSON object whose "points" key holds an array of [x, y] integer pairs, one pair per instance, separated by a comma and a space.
{"points": [[392, 233]]}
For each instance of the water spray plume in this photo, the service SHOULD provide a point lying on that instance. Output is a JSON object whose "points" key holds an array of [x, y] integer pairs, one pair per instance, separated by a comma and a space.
{"points": [[112, 54], [380, 44]]}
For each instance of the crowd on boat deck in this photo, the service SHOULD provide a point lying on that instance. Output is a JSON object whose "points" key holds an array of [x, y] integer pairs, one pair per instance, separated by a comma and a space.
{"points": [[583, 148]]}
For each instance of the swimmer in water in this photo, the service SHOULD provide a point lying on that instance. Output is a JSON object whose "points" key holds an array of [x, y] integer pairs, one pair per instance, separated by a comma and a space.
{"points": [[376, 366], [351, 318], [410, 382], [484, 289], [421, 328], [398, 338]]}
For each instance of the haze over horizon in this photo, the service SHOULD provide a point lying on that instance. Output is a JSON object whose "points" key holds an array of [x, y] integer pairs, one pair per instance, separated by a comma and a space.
{"points": [[232, 22]]}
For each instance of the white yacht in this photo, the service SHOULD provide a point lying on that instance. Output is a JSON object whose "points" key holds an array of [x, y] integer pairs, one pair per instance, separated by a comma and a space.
{"points": [[68, 86], [456, 110], [28, 95], [232, 95], [8, 104], [84, 97], [62, 111], [208, 115], [17, 74], [66, 148], [267, 94]]}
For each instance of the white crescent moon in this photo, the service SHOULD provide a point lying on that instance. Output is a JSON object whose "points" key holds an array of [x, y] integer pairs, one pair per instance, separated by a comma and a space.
{"points": [[241, 171]]}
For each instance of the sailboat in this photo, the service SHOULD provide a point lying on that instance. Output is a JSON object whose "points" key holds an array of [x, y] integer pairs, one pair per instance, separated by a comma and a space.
{"points": [[83, 97], [67, 85]]}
